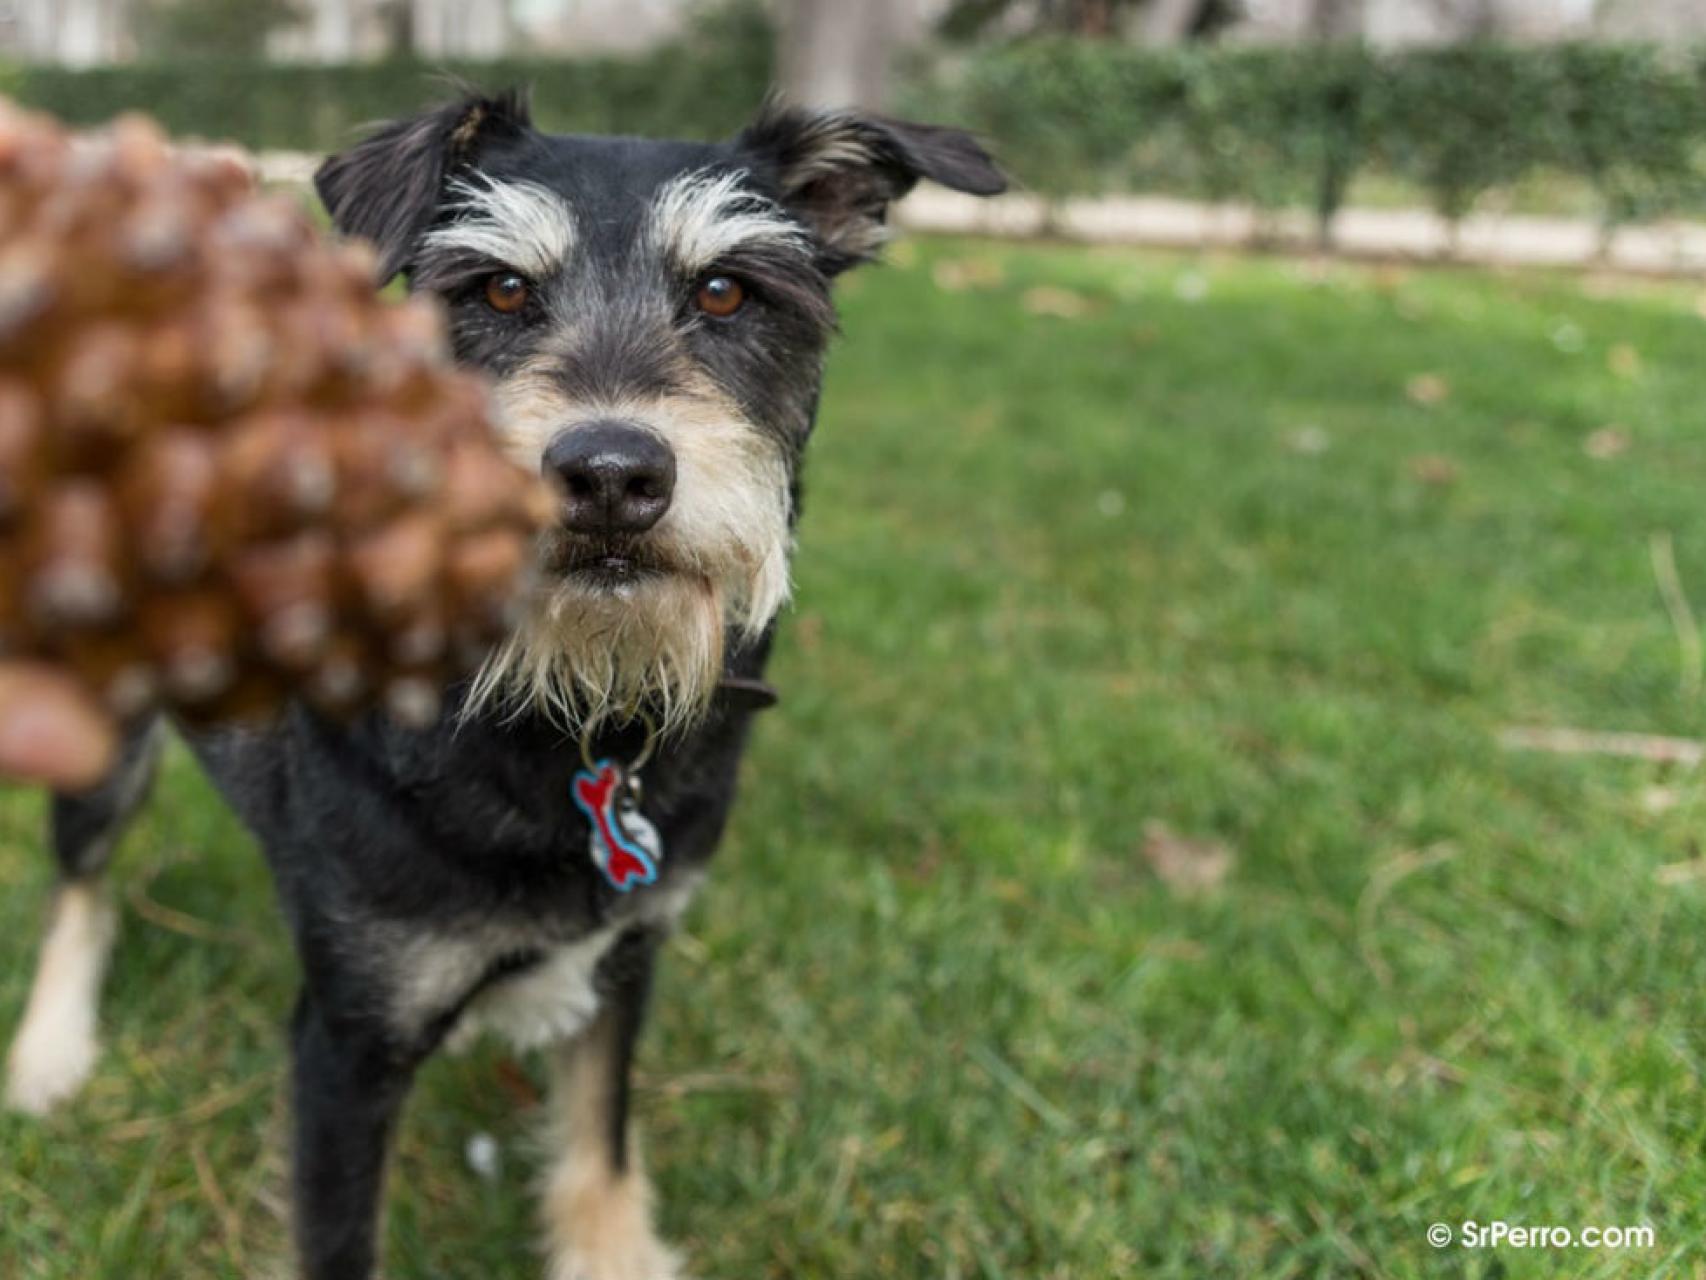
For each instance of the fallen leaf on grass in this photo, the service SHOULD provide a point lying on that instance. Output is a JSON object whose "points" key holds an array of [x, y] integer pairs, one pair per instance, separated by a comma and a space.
{"points": [[1051, 300], [1434, 469], [1186, 865], [1192, 286], [1389, 279], [1681, 872], [980, 420], [1660, 799], [1606, 443], [808, 631], [1416, 1064], [516, 1084], [956, 275], [1624, 360], [1314, 271], [1308, 441], [1427, 389]]}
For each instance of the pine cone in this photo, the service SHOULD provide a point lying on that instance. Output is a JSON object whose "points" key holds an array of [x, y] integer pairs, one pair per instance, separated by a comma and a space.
{"points": [[229, 473]]}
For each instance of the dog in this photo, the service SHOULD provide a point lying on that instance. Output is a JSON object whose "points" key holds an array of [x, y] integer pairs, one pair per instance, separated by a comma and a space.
{"points": [[654, 318]]}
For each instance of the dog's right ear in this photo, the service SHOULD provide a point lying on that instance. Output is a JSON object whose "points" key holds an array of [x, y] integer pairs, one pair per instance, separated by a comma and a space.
{"points": [[386, 187]]}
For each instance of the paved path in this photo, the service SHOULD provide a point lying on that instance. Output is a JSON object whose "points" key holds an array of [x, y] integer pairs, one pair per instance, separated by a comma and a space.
{"points": [[1675, 248], [1672, 248]]}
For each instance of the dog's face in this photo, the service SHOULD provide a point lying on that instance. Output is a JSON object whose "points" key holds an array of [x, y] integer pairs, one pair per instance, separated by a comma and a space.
{"points": [[654, 317]]}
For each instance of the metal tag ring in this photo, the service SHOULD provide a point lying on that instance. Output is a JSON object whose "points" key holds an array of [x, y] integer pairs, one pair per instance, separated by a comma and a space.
{"points": [[646, 749]]}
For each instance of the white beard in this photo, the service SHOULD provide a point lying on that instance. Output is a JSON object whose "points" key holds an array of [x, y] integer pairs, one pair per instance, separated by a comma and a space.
{"points": [[586, 654]]}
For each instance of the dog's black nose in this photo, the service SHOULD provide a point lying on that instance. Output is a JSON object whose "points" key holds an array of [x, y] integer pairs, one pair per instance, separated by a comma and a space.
{"points": [[616, 478]]}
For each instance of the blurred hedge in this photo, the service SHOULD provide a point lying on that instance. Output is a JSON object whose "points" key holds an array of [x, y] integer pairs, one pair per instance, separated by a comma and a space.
{"points": [[1293, 125], [1271, 126], [703, 85]]}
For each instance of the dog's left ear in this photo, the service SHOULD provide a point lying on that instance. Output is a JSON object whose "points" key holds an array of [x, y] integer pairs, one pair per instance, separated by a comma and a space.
{"points": [[386, 187], [840, 171]]}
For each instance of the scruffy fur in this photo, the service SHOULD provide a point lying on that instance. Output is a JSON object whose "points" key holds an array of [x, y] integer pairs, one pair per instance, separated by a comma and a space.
{"points": [[440, 883]]}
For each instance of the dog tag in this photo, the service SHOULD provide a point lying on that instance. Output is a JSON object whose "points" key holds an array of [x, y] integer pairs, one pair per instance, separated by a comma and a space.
{"points": [[623, 844]]}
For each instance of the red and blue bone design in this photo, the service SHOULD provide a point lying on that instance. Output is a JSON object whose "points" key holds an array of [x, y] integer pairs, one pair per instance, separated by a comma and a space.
{"points": [[624, 861]]}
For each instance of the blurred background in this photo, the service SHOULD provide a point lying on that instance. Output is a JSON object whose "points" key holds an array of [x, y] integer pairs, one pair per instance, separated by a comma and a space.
{"points": [[1374, 126], [1236, 799]]}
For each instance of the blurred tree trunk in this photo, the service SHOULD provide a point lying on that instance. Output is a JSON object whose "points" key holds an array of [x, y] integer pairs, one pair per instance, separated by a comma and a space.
{"points": [[1335, 19], [398, 17], [1093, 17], [836, 54], [1168, 21]]}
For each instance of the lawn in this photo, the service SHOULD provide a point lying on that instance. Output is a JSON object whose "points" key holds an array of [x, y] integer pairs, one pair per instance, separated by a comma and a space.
{"points": [[1262, 553]]}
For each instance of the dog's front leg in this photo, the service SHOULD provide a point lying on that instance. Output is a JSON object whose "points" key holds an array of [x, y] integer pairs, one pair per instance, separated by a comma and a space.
{"points": [[598, 1203], [348, 1083]]}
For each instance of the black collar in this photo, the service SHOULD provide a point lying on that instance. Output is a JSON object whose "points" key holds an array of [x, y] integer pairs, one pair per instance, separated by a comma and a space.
{"points": [[747, 693]]}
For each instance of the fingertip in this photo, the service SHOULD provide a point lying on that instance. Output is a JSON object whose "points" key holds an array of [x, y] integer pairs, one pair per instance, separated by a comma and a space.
{"points": [[51, 730]]}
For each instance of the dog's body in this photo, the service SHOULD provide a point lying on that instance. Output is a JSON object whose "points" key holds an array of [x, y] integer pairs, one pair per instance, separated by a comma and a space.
{"points": [[443, 882]]}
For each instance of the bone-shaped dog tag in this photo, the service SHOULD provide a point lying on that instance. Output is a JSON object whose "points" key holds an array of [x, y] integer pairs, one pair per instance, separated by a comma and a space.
{"points": [[623, 844]]}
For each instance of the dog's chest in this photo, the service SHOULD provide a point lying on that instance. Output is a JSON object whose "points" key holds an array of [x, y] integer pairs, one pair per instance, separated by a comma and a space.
{"points": [[432, 974], [548, 1003]]}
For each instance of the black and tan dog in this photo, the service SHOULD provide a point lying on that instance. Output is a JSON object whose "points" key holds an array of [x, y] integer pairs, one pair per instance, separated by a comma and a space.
{"points": [[654, 316]]}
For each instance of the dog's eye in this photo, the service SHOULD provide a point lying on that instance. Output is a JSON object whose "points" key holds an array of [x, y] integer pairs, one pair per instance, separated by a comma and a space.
{"points": [[720, 297], [506, 292]]}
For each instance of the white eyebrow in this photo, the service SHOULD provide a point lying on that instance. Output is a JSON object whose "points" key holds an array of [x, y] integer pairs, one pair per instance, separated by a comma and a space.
{"points": [[519, 224], [700, 217]]}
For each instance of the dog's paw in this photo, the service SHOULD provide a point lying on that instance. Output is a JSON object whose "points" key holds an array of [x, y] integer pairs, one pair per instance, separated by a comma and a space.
{"points": [[55, 1049], [51, 1060], [641, 1259]]}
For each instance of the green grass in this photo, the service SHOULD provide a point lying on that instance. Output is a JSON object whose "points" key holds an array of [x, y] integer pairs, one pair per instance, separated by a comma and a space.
{"points": [[936, 1016]]}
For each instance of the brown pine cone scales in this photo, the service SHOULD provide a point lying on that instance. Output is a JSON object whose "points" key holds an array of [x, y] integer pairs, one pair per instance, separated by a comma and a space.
{"points": [[229, 473]]}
